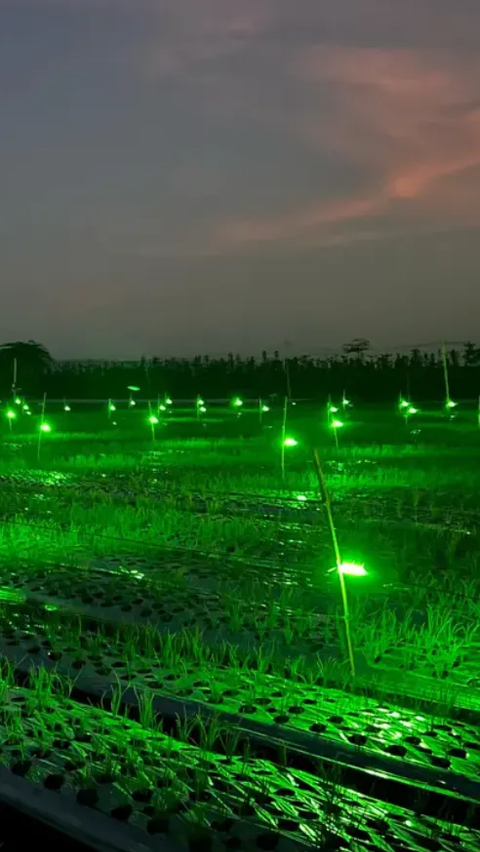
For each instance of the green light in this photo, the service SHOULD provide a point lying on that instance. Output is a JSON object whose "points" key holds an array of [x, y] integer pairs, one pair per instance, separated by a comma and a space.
{"points": [[450, 403], [131, 402], [333, 409], [50, 607], [153, 420], [237, 402], [203, 409], [412, 410], [290, 442], [162, 407], [112, 407], [132, 388], [66, 408], [352, 569], [168, 401], [26, 407], [45, 427], [302, 498], [403, 403], [8, 594], [337, 424], [17, 400], [265, 408], [11, 414], [200, 401]]}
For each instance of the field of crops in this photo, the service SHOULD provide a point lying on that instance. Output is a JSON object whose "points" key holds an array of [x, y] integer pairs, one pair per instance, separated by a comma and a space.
{"points": [[173, 636]]}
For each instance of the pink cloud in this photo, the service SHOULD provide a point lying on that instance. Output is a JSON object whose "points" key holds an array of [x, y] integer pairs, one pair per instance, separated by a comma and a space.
{"points": [[408, 120]]}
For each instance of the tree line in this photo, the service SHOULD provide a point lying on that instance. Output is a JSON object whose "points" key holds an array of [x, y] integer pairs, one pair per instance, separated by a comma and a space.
{"points": [[27, 368]]}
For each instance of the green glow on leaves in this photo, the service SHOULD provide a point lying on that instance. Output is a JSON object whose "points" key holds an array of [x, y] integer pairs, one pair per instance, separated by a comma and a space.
{"points": [[352, 569], [8, 594], [302, 498], [133, 388], [237, 402], [290, 442], [153, 420], [337, 424], [45, 427], [11, 414]]}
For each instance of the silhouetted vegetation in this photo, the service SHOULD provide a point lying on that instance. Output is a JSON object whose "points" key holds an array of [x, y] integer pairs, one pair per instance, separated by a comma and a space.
{"points": [[362, 374]]}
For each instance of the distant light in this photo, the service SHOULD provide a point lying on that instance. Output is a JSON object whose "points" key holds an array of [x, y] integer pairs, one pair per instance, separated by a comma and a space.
{"points": [[18, 401], [66, 408], [403, 403], [45, 427], [200, 401], [133, 388], [302, 498], [237, 402], [153, 420], [333, 409], [290, 442], [26, 407], [131, 402], [203, 409], [168, 401], [162, 407], [412, 410], [11, 414], [265, 408], [112, 407], [337, 424], [451, 403]]}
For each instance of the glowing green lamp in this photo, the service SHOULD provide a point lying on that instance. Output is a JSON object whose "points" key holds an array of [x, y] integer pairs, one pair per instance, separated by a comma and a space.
{"points": [[45, 427], [290, 442], [237, 402]]}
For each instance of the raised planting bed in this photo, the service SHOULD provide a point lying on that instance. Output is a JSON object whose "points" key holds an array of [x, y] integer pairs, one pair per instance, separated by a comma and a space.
{"points": [[315, 724], [163, 787]]}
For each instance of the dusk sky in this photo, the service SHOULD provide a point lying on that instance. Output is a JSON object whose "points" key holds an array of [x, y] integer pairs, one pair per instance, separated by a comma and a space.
{"points": [[204, 176]]}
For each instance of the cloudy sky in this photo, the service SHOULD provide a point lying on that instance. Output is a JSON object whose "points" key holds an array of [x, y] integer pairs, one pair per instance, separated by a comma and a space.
{"points": [[184, 176]]}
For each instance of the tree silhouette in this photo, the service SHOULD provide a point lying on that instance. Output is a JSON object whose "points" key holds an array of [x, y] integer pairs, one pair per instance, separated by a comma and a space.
{"points": [[358, 346], [33, 360]]}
